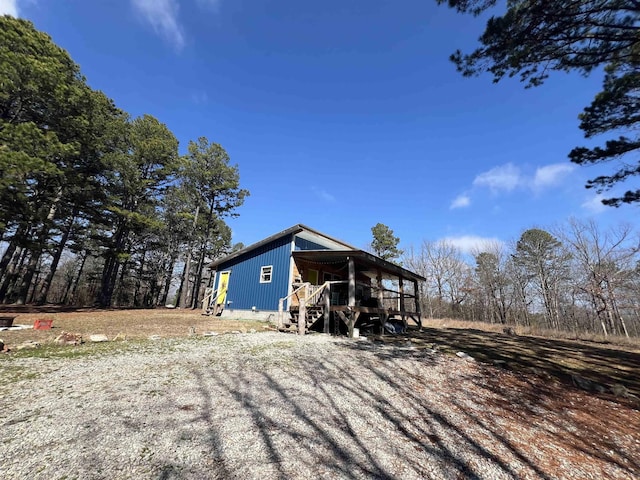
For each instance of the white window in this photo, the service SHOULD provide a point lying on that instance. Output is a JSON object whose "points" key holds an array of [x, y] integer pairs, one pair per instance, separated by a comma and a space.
{"points": [[265, 274]]}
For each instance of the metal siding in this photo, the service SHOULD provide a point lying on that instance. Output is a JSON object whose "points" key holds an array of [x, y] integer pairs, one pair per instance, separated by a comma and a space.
{"points": [[245, 290], [304, 244]]}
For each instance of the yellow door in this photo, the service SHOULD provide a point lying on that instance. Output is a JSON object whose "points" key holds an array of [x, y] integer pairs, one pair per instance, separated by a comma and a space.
{"points": [[223, 284]]}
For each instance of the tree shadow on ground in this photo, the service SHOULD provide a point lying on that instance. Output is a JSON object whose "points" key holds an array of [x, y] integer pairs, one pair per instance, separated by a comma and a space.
{"points": [[588, 426], [381, 414], [567, 361], [568, 420], [364, 409]]}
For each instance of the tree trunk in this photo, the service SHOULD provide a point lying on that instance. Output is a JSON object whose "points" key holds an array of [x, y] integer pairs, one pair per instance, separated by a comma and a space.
{"points": [[111, 267], [616, 311], [35, 282], [122, 300], [76, 282], [67, 290], [44, 290], [181, 287], [11, 254], [167, 282], [41, 238], [197, 284], [184, 284], [195, 290], [6, 258], [136, 293], [203, 251], [9, 261], [604, 328], [27, 277], [107, 284]]}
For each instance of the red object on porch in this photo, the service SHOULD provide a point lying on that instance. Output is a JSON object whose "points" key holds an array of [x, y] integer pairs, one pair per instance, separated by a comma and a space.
{"points": [[43, 324]]}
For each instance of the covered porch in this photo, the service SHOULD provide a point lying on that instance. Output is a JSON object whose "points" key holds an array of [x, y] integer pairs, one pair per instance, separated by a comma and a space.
{"points": [[339, 291]]}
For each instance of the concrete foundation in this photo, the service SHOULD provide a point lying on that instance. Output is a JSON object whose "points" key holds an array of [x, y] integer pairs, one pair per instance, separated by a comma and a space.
{"points": [[260, 315]]}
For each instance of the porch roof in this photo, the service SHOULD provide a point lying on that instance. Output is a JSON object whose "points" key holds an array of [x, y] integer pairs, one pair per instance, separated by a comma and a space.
{"points": [[370, 262]]}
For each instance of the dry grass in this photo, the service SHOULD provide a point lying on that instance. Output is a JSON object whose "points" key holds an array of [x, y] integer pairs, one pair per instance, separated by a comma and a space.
{"points": [[603, 363], [132, 324], [603, 366], [617, 341]]}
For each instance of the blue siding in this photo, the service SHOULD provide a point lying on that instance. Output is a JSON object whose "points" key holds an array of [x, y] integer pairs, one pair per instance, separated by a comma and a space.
{"points": [[245, 290], [303, 244]]}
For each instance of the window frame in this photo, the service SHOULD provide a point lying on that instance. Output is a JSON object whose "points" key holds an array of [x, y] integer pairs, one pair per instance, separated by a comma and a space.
{"points": [[263, 273]]}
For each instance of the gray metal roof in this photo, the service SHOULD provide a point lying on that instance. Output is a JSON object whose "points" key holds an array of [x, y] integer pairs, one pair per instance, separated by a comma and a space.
{"points": [[289, 231]]}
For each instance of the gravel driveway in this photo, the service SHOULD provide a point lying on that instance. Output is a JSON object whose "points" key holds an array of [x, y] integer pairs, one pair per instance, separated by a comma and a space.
{"points": [[277, 406]]}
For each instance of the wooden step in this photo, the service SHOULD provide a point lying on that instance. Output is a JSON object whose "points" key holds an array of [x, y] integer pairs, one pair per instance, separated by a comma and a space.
{"points": [[313, 314]]}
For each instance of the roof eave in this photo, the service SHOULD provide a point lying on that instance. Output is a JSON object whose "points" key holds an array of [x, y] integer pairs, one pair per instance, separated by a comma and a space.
{"points": [[289, 231], [372, 259]]}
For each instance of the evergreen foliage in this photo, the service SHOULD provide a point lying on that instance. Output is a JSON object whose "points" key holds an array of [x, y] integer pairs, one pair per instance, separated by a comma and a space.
{"points": [[79, 177], [533, 38], [385, 243]]}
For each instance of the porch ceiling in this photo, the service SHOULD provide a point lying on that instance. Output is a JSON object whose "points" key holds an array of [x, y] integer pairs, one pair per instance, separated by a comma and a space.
{"points": [[365, 263]]}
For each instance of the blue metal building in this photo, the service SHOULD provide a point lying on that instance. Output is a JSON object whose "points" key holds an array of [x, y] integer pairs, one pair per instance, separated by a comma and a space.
{"points": [[255, 278]]}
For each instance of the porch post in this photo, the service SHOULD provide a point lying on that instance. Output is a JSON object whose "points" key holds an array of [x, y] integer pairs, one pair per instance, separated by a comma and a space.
{"points": [[352, 283], [401, 300], [327, 308], [280, 314], [302, 313], [416, 293], [382, 317], [352, 294]]}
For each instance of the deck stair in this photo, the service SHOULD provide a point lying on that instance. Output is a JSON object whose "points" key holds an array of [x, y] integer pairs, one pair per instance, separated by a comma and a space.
{"points": [[310, 298], [314, 313]]}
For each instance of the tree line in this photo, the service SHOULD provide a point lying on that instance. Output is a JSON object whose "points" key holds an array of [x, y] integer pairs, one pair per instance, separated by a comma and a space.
{"points": [[97, 207], [578, 278]]}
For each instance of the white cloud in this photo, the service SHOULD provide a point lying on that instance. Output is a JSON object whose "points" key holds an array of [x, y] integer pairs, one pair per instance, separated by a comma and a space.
{"points": [[594, 204], [9, 7], [323, 195], [503, 178], [460, 201], [163, 17], [473, 243], [551, 175], [508, 177]]}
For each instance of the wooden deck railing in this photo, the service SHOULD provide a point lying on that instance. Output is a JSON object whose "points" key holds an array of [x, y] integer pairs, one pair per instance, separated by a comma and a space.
{"points": [[388, 305], [308, 298], [209, 293]]}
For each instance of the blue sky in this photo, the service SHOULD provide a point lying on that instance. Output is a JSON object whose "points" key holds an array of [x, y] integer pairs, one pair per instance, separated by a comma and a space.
{"points": [[341, 114]]}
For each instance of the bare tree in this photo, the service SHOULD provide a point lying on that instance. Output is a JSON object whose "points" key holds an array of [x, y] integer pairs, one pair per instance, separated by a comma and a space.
{"points": [[520, 282], [448, 277], [416, 261], [605, 262], [494, 284]]}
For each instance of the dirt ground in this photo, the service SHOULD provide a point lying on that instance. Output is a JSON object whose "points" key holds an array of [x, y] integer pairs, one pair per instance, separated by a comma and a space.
{"points": [[597, 367], [130, 324], [576, 402], [594, 367]]}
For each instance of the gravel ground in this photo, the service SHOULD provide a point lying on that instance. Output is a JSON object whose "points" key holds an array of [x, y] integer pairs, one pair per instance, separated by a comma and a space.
{"points": [[268, 405]]}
